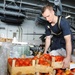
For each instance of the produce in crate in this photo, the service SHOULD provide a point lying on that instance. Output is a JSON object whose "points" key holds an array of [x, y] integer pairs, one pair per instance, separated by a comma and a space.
{"points": [[65, 72], [57, 65], [57, 61], [19, 66], [73, 70], [25, 65], [45, 59], [58, 58], [20, 61], [44, 65]]}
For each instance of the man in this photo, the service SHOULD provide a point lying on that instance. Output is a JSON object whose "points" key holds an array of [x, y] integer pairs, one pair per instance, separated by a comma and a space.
{"points": [[61, 39]]}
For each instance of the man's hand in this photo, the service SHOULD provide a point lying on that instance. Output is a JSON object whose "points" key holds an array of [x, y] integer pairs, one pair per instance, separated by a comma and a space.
{"points": [[47, 43], [45, 52], [66, 63]]}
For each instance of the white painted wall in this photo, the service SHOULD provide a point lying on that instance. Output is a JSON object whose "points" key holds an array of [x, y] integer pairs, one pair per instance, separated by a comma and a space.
{"points": [[28, 26]]}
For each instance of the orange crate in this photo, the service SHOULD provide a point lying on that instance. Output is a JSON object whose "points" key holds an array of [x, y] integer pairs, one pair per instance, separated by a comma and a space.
{"points": [[2, 40], [43, 69], [56, 65], [20, 70], [35, 68], [8, 40]]}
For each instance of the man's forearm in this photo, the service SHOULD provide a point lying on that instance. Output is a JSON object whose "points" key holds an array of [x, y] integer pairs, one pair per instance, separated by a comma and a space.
{"points": [[66, 61], [68, 46], [47, 43], [68, 50]]}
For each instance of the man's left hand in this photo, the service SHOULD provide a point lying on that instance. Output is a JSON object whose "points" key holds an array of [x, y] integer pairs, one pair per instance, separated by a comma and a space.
{"points": [[66, 63]]}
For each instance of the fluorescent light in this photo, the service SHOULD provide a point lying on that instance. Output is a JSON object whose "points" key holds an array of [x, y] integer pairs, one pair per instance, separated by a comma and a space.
{"points": [[68, 16]]}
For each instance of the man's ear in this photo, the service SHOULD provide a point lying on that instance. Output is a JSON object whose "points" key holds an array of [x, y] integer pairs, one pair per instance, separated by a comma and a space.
{"points": [[52, 11]]}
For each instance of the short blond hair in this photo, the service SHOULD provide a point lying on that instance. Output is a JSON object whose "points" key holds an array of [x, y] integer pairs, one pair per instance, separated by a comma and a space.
{"points": [[50, 7]]}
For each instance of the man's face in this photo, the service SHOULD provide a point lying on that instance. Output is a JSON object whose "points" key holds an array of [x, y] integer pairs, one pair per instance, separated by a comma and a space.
{"points": [[48, 15]]}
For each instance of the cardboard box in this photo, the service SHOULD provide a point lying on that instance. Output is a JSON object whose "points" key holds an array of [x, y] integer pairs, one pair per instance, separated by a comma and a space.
{"points": [[2, 39], [8, 40]]}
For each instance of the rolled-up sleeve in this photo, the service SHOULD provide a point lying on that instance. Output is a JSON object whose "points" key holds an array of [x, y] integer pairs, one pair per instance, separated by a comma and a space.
{"points": [[65, 28], [47, 30]]}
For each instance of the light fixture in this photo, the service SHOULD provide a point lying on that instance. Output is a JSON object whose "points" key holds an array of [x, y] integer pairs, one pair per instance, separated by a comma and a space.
{"points": [[68, 16]]}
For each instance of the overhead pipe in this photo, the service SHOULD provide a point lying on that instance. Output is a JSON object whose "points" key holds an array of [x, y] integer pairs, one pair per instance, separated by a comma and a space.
{"points": [[9, 6], [34, 10], [12, 13], [30, 17], [30, 9], [30, 14], [27, 3], [14, 1], [68, 12], [22, 8]]}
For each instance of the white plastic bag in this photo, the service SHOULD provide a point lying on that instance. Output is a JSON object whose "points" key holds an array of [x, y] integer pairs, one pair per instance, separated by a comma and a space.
{"points": [[3, 60], [61, 52]]}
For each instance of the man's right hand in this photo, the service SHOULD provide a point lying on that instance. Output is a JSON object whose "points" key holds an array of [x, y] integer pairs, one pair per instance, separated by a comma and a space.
{"points": [[44, 52], [47, 43]]}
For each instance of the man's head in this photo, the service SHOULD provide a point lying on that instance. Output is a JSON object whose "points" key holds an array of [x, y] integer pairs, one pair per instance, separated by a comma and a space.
{"points": [[48, 13]]}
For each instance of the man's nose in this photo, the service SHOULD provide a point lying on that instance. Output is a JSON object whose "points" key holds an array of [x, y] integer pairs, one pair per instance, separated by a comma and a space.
{"points": [[47, 19]]}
